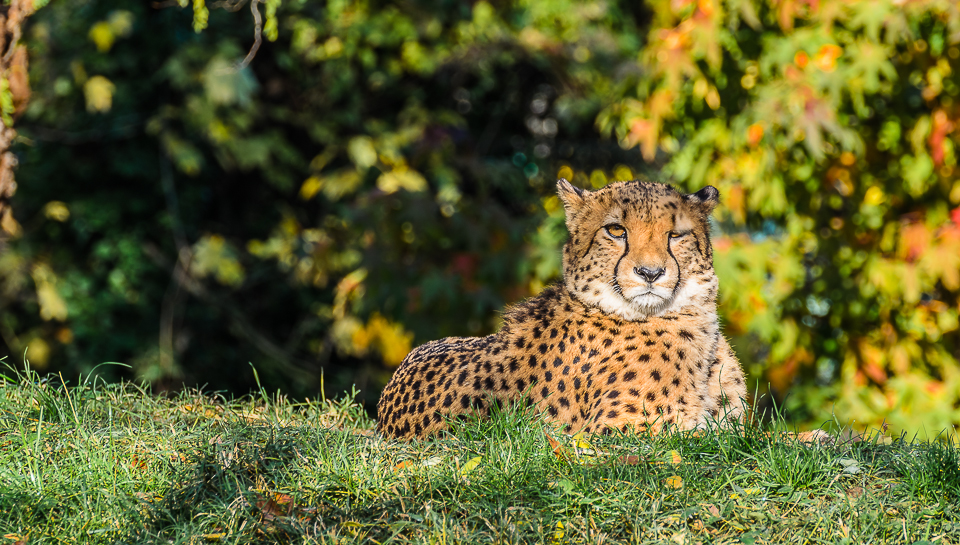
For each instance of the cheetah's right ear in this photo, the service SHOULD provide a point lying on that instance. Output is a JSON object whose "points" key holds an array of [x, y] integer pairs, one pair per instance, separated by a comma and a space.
{"points": [[708, 198], [571, 195]]}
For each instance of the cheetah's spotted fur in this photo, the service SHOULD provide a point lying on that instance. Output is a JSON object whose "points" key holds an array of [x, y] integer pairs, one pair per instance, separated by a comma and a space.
{"points": [[629, 340]]}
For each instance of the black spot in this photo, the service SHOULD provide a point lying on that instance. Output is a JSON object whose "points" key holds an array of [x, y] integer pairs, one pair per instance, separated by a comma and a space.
{"points": [[544, 392], [607, 343], [465, 401], [488, 383], [651, 396], [681, 354], [561, 386], [548, 375], [542, 348], [613, 394], [447, 401], [514, 365], [685, 334], [521, 385], [612, 414], [644, 357], [655, 375], [532, 361], [629, 375], [563, 402], [461, 378]]}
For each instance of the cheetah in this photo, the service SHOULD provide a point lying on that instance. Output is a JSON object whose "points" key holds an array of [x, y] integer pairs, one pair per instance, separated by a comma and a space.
{"points": [[629, 340]]}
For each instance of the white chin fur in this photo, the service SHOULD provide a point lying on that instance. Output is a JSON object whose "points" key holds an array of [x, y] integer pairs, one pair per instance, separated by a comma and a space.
{"points": [[631, 308]]}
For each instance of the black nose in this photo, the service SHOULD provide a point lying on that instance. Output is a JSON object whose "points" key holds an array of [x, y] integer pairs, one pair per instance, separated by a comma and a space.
{"points": [[649, 274]]}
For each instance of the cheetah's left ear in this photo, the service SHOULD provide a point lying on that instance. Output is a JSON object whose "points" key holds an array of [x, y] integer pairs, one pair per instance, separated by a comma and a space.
{"points": [[707, 198], [571, 195]]}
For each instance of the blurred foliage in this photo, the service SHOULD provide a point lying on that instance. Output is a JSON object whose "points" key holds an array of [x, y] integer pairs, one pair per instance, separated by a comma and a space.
{"points": [[382, 174], [829, 129]]}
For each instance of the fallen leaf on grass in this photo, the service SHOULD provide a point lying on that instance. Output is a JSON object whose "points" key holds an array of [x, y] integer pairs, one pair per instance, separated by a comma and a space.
{"points": [[850, 465], [275, 505], [558, 449], [557, 534], [675, 457], [712, 510], [471, 464], [854, 492], [674, 481]]}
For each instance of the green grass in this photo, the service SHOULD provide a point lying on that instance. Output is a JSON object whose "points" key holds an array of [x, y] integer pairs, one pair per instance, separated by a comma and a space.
{"points": [[106, 463]]}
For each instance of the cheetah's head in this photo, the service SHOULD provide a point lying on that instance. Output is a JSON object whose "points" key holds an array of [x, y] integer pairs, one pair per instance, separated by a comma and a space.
{"points": [[639, 249]]}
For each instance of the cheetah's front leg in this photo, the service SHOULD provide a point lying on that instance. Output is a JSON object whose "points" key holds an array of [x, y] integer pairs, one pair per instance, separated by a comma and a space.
{"points": [[727, 384]]}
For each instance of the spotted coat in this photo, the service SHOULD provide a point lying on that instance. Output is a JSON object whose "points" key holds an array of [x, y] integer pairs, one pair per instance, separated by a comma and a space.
{"points": [[629, 340]]}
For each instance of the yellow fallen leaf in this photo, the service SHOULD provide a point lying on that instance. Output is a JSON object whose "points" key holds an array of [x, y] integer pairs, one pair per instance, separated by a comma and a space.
{"points": [[558, 533], [580, 441], [674, 481], [471, 464], [675, 457]]}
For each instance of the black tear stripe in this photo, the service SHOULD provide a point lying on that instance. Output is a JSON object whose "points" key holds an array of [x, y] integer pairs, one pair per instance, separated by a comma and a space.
{"points": [[626, 250], [676, 287]]}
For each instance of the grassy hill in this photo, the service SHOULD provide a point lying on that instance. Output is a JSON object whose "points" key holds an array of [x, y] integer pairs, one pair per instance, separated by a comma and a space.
{"points": [[109, 463]]}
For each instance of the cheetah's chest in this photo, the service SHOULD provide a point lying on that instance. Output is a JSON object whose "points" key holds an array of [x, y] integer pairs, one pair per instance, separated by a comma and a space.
{"points": [[608, 371]]}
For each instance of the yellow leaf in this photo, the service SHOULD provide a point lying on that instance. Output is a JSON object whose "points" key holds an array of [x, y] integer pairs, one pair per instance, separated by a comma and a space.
{"points": [[98, 91], [121, 22], [102, 35], [38, 353], [213, 256], [471, 464], [56, 211], [362, 152], [310, 188], [558, 533], [673, 482], [675, 457], [52, 306], [399, 178]]}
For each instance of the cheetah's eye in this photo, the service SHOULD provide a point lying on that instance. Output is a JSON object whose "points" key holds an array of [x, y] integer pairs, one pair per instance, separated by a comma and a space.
{"points": [[616, 231], [674, 234]]}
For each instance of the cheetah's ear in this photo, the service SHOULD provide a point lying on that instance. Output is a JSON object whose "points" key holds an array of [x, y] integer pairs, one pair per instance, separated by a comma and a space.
{"points": [[707, 198], [571, 195]]}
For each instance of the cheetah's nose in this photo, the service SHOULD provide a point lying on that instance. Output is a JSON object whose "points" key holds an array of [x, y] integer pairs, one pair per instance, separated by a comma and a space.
{"points": [[649, 274]]}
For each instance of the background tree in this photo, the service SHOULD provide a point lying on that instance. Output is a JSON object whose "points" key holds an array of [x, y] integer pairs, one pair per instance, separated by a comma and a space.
{"points": [[382, 174]]}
